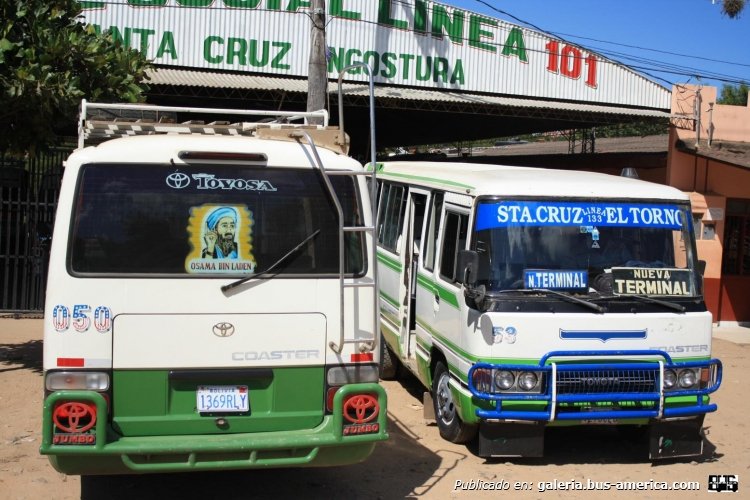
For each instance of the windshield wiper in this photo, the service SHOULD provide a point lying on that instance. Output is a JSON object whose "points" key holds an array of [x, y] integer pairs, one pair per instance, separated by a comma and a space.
{"points": [[646, 298], [237, 283], [562, 295]]}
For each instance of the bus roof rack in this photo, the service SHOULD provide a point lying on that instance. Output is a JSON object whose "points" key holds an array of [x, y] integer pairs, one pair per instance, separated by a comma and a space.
{"points": [[100, 122]]}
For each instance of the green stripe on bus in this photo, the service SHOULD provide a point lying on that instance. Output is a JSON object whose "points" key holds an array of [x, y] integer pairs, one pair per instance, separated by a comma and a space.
{"points": [[392, 337], [386, 174], [443, 293], [516, 361], [389, 262], [389, 299]]}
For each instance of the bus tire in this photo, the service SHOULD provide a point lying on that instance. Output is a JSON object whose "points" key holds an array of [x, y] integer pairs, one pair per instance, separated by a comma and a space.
{"points": [[388, 363], [450, 425]]}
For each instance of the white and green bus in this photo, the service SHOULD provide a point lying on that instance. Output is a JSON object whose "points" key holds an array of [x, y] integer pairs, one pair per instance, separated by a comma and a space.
{"points": [[211, 301], [525, 298]]}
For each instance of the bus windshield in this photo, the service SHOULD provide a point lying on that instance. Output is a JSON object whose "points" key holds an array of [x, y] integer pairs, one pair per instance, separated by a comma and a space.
{"points": [[586, 247]]}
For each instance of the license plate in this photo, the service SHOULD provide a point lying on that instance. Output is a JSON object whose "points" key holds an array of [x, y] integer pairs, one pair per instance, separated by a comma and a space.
{"points": [[601, 421], [222, 399]]}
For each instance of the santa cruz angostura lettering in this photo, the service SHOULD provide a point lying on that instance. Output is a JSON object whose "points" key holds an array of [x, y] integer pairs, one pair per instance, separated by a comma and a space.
{"points": [[210, 181]]}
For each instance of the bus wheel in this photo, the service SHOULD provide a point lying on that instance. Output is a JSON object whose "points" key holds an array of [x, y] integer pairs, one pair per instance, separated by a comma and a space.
{"points": [[449, 423], [388, 363]]}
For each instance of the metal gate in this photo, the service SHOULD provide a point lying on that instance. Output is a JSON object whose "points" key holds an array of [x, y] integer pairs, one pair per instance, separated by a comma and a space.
{"points": [[28, 197]]}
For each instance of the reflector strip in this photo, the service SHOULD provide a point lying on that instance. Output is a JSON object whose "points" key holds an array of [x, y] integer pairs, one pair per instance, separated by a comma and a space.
{"points": [[70, 362], [365, 356]]}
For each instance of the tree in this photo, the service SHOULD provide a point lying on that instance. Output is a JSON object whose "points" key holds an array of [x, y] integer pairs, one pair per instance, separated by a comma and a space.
{"points": [[49, 61], [732, 8], [733, 95]]}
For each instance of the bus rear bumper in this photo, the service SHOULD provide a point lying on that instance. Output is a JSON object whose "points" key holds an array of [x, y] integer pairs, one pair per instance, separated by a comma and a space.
{"points": [[332, 442]]}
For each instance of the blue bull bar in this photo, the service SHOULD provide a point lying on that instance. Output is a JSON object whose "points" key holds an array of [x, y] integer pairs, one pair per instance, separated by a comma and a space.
{"points": [[555, 380]]}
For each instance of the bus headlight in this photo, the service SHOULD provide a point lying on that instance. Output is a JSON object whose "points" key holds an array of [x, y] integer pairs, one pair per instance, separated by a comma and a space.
{"points": [[670, 378], [527, 380], [687, 379], [504, 380]]}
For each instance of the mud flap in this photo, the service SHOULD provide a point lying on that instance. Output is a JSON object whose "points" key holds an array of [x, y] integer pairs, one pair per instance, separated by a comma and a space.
{"points": [[500, 439], [428, 411], [678, 438]]}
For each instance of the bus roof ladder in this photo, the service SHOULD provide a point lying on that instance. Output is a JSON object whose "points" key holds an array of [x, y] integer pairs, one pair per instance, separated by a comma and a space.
{"points": [[365, 344]]}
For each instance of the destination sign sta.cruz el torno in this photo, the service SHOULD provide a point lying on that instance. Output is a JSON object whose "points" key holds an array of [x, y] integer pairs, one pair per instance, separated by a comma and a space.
{"points": [[414, 43]]}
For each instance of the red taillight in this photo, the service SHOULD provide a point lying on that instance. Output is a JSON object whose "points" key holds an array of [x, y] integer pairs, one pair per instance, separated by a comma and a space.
{"points": [[214, 155], [329, 398]]}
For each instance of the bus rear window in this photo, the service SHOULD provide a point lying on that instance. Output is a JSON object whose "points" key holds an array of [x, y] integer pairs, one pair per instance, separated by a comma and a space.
{"points": [[210, 220]]}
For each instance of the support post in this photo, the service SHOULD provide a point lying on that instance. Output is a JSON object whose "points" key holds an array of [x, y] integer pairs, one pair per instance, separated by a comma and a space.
{"points": [[317, 81]]}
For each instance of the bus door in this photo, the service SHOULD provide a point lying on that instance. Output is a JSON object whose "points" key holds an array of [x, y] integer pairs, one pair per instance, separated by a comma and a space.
{"points": [[410, 247]]}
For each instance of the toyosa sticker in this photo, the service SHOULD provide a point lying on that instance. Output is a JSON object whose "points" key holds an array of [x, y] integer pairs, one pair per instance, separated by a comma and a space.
{"points": [[550, 213], [180, 180], [220, 239]]}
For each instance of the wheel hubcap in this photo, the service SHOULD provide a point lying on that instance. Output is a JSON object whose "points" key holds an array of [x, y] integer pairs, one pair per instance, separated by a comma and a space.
{"points": [[446, 408]]}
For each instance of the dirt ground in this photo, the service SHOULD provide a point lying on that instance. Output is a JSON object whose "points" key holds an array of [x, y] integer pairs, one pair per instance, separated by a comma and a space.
{"points": [[414, 463]]}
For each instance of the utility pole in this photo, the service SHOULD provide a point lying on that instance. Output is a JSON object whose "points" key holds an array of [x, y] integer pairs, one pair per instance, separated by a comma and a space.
{"points": [[317, 77]]}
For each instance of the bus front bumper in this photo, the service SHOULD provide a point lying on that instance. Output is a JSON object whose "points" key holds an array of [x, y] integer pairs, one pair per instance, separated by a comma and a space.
{"points": [[606, 385]]}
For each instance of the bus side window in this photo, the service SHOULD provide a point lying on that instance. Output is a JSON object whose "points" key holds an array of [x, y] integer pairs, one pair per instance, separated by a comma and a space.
{"points": [[454, 239], [433, 224], [419, 201], [393, 206]]}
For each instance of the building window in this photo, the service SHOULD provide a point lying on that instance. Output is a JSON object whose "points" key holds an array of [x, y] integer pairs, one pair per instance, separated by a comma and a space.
{"points": [[736, 256], [698, 225]]}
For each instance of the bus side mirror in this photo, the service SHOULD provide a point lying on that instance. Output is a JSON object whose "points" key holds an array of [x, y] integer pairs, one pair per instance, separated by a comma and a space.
{"points": [[702, 267], [468, 267]]}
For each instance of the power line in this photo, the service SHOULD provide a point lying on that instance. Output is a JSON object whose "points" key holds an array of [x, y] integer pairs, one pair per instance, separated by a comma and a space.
{"points": [[659, 66], [657, 50]]}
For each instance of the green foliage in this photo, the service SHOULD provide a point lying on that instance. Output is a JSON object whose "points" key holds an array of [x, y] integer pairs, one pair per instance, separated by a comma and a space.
{"points": [[733, 95], [733, 8], [634, 129], [49, 61]]}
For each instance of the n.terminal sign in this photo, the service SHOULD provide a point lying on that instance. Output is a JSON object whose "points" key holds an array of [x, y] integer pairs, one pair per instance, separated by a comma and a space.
{"points": [[414, 43]]}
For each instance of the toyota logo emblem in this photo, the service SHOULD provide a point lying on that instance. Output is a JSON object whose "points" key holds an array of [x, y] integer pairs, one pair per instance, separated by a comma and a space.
{"points": [[178, 180], [74, 417], [361, 408], [223, 329]]}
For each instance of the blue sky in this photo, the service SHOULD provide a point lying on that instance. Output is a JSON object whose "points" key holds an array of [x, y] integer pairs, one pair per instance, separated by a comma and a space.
{"points": [[649, 35]]}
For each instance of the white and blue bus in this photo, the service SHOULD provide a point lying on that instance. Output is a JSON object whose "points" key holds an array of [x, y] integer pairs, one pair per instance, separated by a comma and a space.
{"points": [[525, 298]]}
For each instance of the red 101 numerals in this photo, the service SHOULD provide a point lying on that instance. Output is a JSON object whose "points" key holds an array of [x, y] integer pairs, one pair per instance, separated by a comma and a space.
{"points": [[568, 62]]}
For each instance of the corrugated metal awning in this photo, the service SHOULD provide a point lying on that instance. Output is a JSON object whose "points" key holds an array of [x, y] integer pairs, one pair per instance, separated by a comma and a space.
{"points": [[191, 78]]}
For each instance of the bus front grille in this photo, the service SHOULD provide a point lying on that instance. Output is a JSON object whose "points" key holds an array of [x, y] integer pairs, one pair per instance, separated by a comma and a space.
{"points": [[607, 381]]}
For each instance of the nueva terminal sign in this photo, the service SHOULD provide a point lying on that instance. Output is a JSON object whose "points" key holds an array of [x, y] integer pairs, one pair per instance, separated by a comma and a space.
{"points": [[416, 43]]}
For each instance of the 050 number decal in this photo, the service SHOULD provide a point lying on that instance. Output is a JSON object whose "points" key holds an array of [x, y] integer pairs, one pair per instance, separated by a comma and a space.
{"points": [[81, 319]]}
